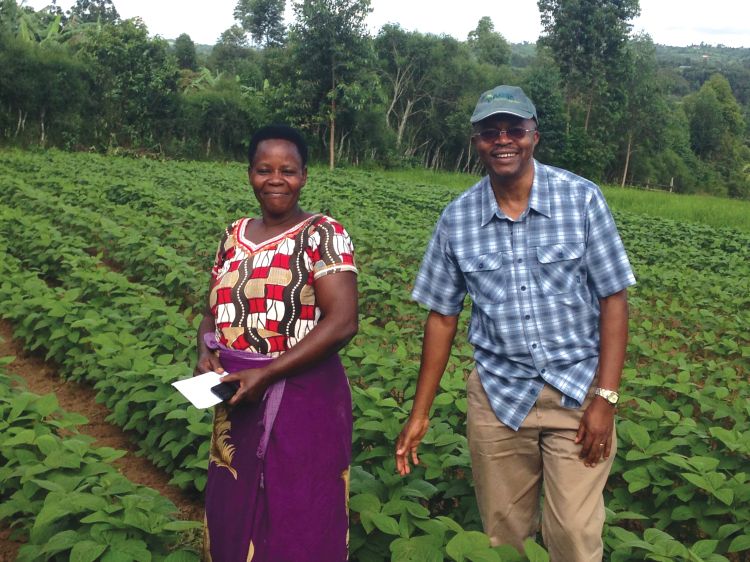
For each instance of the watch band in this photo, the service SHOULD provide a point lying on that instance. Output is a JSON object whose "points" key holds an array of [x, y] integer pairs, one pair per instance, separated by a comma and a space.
{"points": [[611, 396]]}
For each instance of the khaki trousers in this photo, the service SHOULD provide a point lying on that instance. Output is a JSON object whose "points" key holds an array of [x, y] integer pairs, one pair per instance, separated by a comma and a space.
{"points": [[509, 468]]}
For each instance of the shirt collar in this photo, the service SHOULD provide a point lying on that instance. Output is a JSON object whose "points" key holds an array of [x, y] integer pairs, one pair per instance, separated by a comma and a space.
{"points": [[489, 205], [538, 198]]}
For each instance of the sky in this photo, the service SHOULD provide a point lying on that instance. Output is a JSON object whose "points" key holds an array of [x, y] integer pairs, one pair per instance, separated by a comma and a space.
{"points": [[669, 22]]}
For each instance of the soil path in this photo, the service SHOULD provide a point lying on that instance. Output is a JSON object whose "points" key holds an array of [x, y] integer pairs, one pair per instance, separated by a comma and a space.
{"points": [[42, 378]]}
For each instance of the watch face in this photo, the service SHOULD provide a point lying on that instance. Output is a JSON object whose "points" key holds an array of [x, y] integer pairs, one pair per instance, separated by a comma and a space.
{"points": [[612, 398]]}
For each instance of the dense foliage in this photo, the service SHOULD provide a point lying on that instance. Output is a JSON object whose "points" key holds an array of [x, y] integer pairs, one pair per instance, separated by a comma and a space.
{"points": [[63, 496], [613, 107], [104, 266]]}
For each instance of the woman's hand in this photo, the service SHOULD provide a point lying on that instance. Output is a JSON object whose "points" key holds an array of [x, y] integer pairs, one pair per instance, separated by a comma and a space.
{"points": [[208, 361], [253, 383]]}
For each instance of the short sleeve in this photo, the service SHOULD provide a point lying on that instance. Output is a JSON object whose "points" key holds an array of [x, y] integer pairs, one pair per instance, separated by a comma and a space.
{"points": [[607, 263], [331, 249], [225, 251], [440, 285]]}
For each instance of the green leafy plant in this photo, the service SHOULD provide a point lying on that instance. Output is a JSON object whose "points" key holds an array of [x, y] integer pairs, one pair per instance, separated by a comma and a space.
{"points": [[104, 265]]}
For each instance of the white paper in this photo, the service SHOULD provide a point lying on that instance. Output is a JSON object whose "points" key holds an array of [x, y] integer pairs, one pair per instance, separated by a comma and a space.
{"points": [[198, 389]]}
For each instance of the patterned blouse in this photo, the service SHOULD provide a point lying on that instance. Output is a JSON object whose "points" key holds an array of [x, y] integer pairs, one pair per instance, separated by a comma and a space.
{"points": [[263, 295]]}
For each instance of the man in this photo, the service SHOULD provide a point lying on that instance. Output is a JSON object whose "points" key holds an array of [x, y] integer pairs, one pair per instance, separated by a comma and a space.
{"points": [[538, 252]]}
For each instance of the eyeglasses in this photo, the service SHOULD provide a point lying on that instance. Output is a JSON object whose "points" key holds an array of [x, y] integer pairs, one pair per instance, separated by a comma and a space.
{"points": [[515, 133]]}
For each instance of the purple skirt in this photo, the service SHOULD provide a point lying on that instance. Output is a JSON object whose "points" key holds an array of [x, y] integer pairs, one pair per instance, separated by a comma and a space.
{"points": [[278, 475]]}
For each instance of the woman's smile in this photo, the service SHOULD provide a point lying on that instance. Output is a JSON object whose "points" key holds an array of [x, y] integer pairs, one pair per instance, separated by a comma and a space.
{"points": [[277, 176]]}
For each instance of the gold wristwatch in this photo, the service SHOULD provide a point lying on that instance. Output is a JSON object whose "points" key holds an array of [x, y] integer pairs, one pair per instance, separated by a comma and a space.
{"points": [[610, 396]]}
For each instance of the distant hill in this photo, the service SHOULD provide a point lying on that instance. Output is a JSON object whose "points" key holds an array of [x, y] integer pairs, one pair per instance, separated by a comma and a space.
{"points": [[695, 64], [684, 68], [697, 55], [203, 50]]}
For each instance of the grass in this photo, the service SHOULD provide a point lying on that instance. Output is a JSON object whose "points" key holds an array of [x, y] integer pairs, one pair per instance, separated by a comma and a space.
{"points": [[417, 176], [718, 212]]}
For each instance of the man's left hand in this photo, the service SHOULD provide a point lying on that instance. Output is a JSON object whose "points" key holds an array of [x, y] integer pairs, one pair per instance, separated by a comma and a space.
{"points": [[595, 432]]}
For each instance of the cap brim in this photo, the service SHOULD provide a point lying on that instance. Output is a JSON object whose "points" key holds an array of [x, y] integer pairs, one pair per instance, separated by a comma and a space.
{"points": [[489, 113]]}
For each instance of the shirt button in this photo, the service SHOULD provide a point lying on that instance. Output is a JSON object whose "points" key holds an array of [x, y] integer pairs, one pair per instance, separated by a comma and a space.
{"points": [[543, 371], [533, 346], [481, 265], [527, 317], [578, 278], [560, 254], [520, 260], [523, 287]]}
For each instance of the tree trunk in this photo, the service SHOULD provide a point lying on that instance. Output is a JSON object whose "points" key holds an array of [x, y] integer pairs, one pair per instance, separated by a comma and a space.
{"points": [[402, 122], [457, 167], [435, 159], [42, 138], [332, 137], [588, 112], [394, 100], [332, 128], [208, 147], [342, 141], [468, 157], [627, 158], [21, 125]]}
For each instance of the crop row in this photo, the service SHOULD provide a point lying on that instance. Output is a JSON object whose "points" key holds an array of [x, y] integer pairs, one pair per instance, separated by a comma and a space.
{"points": [[83, 316], [87, 319], [64, 498], [679, 487]]}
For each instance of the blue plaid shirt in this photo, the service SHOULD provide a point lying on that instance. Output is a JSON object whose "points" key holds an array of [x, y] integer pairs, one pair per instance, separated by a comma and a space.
{"points": [[535, 284]]}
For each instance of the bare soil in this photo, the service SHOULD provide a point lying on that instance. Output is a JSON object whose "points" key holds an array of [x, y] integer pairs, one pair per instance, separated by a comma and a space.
{"points": [[42, 378]]}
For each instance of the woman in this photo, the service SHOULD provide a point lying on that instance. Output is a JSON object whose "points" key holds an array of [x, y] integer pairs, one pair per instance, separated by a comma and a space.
{"points": [[282, 302]]}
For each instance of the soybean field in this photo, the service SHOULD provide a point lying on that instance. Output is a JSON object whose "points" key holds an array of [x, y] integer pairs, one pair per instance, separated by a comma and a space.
{"points": [[104, 268]]}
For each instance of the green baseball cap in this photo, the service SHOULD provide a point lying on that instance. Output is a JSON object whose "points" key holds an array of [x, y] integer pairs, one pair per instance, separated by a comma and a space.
{"points": [[504, 99]]}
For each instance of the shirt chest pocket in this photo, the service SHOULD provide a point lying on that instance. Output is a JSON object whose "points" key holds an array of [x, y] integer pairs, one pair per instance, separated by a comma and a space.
{"points": [[487, 277], [559, 267]]}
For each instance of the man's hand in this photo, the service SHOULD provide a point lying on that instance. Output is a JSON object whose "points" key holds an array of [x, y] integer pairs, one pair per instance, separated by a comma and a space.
{"points": [[595, 431], [408, 441], [597, 424], [439, 332], [208, 361]]}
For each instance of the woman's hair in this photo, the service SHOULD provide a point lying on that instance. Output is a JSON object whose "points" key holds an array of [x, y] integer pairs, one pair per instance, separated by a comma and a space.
{"points": [[281, 132]]}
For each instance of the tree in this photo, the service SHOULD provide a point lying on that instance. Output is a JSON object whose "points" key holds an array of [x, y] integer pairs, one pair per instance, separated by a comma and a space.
{"points": [[215, 118], [333, 55], [731, 111], [184, 52], [645, 103], [543, 84], [44, 86], [93, 11], [717, 127], [586, 38], [263, 20], [404, 66], [136, 83], [488, 45], [232, 54], [26, 24], [432, 83], [715, 117]]}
